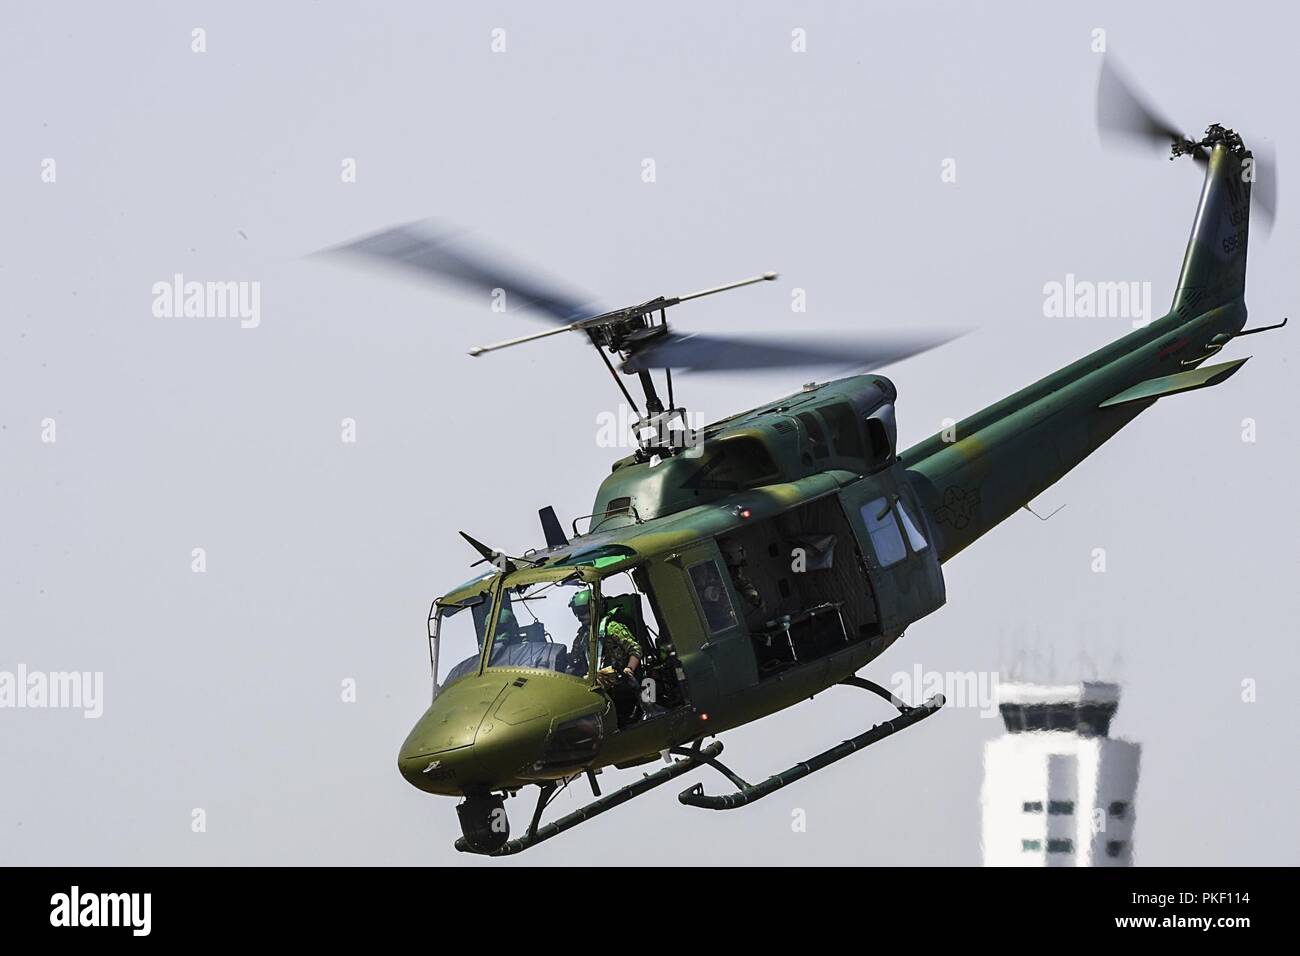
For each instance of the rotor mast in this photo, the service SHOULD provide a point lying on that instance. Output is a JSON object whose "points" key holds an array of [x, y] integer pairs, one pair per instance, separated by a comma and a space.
{"points": [[625, 332]]}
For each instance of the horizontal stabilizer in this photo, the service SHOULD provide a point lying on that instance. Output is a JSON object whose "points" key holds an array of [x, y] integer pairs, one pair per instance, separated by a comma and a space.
{"points": [[1173, 384]]}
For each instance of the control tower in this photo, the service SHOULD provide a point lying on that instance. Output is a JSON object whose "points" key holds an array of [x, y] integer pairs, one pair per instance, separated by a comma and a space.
{"points": [[1058, 790]]}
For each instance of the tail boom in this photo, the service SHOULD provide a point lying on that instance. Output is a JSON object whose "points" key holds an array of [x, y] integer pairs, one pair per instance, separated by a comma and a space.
{"points": [[995, 462]]}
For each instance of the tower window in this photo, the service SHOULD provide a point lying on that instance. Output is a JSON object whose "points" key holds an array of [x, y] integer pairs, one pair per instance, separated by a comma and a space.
{"points": [[1060, 807], [1035, 806], [1060, 846], [1114, 847], [1031, 846], [1118, 809]]}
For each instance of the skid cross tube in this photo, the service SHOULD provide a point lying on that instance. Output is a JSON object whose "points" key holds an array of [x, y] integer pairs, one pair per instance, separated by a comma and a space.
{"points": [[746, 793], [691, 758]]}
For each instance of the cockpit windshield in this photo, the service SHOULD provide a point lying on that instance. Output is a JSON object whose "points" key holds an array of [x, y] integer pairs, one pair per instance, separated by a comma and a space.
{"points": [[544, 625], [456, 639]]}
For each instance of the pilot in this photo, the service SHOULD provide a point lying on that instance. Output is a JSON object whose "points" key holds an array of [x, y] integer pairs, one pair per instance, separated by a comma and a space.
{"points": [[507, 631], [506, 636], [580, 605]]}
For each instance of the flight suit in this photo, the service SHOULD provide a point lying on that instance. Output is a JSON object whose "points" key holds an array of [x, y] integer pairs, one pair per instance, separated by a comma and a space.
{"points": [[617, 644], [578, 653]]}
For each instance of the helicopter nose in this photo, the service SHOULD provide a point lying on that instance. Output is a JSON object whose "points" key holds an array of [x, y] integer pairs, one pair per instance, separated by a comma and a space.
{"points": [[490, 734], [437, 754]]}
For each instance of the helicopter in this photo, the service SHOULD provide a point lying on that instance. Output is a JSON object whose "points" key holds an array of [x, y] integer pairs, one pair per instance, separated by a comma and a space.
{"points": [[771, 555]]}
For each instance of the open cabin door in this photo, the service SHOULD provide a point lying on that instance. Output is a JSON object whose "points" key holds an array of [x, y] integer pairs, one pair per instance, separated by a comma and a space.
{"points": [[627, 597], [896, 542]]}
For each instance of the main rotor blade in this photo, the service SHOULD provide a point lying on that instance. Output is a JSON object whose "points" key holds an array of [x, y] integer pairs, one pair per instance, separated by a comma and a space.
{"points": [[734, 353], [415, 246], [1122, 111]]}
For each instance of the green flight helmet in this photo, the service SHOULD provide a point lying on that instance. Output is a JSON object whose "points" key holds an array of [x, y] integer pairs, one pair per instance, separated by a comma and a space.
{"points": [[580, 603]]}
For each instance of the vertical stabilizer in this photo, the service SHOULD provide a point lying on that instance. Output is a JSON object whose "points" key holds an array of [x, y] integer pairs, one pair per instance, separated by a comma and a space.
{"points": [[1214, 269]]}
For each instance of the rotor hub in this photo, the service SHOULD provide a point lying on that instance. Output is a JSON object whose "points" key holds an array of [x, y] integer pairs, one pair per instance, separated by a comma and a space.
{"points": [[1215, 135]]}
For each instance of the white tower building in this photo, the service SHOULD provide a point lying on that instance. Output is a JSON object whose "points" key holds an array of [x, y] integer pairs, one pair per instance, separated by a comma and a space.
{"points": [[1058, 791]]}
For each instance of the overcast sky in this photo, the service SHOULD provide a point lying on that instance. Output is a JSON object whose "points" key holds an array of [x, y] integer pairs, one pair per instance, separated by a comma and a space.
{"points": [[223, 690]]}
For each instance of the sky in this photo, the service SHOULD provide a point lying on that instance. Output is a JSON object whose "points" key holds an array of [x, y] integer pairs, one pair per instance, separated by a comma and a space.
{"points": [[252, 711]]}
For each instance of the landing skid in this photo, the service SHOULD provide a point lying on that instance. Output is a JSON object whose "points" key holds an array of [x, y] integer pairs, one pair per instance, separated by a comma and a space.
{"points": [[689, 759], [746, 793], [692, 757]]}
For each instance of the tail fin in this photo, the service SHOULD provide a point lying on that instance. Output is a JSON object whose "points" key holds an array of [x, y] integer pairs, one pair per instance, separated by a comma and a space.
{"points": [[1214, 269]]}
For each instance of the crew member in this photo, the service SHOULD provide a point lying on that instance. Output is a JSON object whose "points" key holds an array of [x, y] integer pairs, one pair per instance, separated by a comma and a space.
{"points": [[733, 552], [506, 640], [620, 656], [580, 605]]}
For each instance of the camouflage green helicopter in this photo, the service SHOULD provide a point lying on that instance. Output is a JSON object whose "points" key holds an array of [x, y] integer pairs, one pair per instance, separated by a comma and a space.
{"points": [[769, 556]]}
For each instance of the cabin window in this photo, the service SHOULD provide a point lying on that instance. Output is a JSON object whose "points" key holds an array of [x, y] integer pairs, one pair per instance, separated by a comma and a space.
{"points": [[882, 434], [816, 437], [886, 540], [914, 537], [712, 592], [601, 557], [731, 464], [843, 426]]}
